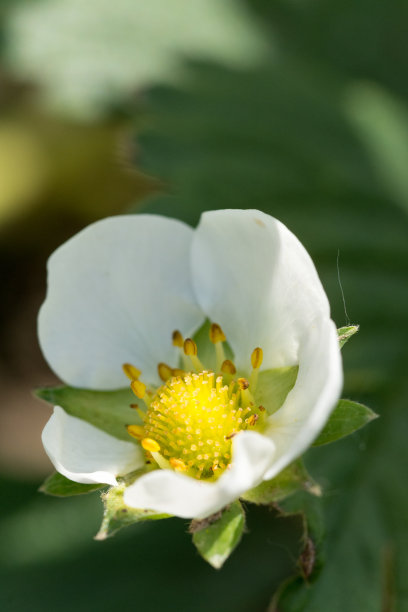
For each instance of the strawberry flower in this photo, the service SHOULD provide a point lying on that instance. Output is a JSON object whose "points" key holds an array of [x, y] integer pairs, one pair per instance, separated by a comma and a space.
{"points": [[226, 336]]}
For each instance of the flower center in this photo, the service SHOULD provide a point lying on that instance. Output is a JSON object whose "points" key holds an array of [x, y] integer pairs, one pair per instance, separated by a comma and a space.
{"points": [[191, 419]]}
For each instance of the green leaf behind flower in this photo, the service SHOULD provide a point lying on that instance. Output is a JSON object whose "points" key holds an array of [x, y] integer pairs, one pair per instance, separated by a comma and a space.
{"points": [[56, 484], [107, 410], [216, 537], [118, 515], [292, 479], [345, 419]]}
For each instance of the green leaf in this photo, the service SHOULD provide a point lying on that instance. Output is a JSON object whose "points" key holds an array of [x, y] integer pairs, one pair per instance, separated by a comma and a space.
{"points": [[292, 479], [107, 410], [347, 417], [345, 333], [117, 514], [56, 484], [217, 536], [273, 387]]}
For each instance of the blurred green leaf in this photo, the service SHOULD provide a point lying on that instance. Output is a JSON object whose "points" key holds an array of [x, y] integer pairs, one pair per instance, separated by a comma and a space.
{"points": [[381, 120], [56, 484], [345, 419], [292, 479], [107, 410], [216, 537], [117, 514], [86, 66]]}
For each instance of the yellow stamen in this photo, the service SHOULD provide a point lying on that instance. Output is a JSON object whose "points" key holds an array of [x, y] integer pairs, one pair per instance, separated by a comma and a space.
{"points": [[217, 337], [256, 361], [252, 420], [165, 371], [138, 388], [228, 367], [136, 431], [139, 411], [257, 358], [216, 334], [178, 339], [190, 349], [178, 464], [243, 383], [178, 372], [150, 445], [131, 372]]}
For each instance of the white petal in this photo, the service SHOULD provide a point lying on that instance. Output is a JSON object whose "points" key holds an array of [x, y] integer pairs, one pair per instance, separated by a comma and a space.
{"points": [[307, 407], [116, 292], [174, 493], [83, 453], [253, 277]]}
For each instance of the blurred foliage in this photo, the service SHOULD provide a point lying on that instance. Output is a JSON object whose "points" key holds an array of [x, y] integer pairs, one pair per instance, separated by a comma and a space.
{"points": [[317, 136], [88, 56]]}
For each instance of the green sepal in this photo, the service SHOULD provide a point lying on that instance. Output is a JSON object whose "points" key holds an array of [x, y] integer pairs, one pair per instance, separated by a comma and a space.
{"points": [[346, 332], [292, 479], [218, 535], [107, 410], [56, 484], [117, 514], [345, 419], [273, 387]]}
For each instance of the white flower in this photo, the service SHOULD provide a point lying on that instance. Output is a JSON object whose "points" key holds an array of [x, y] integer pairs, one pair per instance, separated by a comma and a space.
{"points": [[121, 287]]}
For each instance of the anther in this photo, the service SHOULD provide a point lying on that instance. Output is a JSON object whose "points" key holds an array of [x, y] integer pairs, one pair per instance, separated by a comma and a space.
{"points": [[178, 372], [252, 420], [165, 371], [228, 367], [256, 361], [177, 339], [150, 445], [136, 431], [190, 347], [257, 358], [138, 388], [178, 464], [216, 334], [243, 383], [131, 372], [217, 337]]}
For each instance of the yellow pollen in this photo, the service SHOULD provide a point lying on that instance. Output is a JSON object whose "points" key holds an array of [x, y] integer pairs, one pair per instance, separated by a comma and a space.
{"points": [[131, 372], [191, 420], [150, 445], [216, 334], [138, 388]]}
